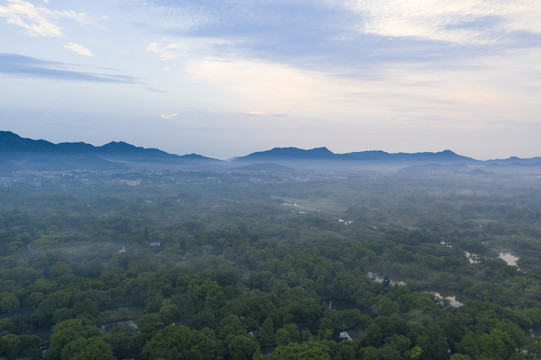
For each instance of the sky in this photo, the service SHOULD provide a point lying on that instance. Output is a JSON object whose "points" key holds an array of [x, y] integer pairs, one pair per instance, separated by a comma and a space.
{"points": [[230, 77]]}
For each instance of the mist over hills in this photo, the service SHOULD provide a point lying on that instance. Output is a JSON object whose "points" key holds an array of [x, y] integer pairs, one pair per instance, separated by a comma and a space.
{"points": [[18, 153], [289, 153], [324, 154]]}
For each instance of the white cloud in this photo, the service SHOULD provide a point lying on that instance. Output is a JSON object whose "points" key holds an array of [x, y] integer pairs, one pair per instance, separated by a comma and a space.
{"points": [[465, 96], [175, 15], [79, 49], [167, 52], [278, 89], [256, 113], [445, 20], [188, 47], [168, 117], [36, 20]]}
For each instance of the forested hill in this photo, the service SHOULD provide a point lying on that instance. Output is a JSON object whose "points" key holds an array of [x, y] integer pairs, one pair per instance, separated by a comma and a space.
{"points": [[19, 153], [324, 154]]}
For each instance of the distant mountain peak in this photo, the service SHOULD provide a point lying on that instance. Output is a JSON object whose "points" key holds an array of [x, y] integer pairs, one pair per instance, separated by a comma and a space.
{"points": [[119, 145], [322, 149], [11, 142], [289, 153], [20, 153], [447, 153]]}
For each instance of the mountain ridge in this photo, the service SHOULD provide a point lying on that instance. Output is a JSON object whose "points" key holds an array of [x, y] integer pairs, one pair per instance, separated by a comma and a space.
{"points": [[324, 154], [18, 153]]}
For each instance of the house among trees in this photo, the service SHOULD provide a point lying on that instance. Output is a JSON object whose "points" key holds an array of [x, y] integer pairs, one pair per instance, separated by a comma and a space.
{"points": [[352, 334]]}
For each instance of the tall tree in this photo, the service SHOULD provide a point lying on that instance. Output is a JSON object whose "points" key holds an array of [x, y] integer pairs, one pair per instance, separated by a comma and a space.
{"points": [[267, 334]]}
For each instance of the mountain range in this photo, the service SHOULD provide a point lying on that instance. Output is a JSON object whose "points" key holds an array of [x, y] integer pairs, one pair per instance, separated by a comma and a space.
{"points": [[324, 154], [17, 153]]}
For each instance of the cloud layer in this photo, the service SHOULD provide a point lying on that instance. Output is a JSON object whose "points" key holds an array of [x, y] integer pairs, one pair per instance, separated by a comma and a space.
{"points": [[461, 21], [24, 66], [36, 20]]}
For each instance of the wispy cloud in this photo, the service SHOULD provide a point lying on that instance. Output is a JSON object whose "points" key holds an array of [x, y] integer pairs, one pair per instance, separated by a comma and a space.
{"points": [[269, 88], [36, 20], [167, 52], [449, 21], [168, 117], [25, 66], [154, 90], [254, 113], [190, 47], [348, 38], [79, 49], [172, 16]]}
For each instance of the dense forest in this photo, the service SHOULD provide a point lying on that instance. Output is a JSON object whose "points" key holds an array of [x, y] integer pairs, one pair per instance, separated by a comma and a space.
{"points": [[256, 265]]}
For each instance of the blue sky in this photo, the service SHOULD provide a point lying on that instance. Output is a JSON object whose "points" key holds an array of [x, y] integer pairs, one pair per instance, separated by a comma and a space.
{"points": [[226, 78]]}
